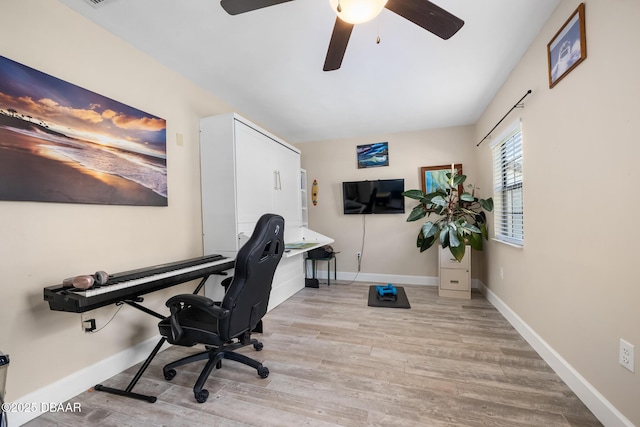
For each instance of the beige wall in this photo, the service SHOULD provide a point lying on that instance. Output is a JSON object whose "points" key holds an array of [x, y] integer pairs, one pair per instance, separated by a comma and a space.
{"points": [[389, 247], [42, 243], [575, 282]]}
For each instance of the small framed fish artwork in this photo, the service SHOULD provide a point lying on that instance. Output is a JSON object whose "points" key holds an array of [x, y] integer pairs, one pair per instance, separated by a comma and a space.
{"points": [[373, 155]]}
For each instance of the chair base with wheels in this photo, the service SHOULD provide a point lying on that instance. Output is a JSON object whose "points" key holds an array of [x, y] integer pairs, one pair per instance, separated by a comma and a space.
{"points": [[215, 355]]}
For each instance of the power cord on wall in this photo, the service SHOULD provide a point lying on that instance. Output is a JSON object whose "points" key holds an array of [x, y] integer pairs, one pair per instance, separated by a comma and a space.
{"points": [[361, 253], [108, 321], [364, 232]]}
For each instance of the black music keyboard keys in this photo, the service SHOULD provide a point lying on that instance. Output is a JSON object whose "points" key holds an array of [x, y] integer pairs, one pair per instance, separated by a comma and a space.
{"points": [[130, 284]]}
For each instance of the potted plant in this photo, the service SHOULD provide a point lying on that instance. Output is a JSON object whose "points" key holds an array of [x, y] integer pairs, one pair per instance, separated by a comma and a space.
{"points": [[461, 221]]}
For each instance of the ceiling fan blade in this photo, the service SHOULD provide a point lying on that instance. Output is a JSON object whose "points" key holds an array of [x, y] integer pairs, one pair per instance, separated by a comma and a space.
{"points": [[428, 16], [337, 45], [236, 7]]}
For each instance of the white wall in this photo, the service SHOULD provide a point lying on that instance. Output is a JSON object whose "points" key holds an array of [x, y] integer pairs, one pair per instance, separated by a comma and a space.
{"points": [[42, 243]]}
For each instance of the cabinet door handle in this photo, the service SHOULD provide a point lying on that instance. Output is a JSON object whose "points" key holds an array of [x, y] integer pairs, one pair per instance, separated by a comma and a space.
{"points": [[275, 180], [454, 281], [279, 181]]}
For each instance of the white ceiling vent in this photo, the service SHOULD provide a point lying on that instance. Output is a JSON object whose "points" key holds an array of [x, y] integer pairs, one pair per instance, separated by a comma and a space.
{"points": [[98, 3]]}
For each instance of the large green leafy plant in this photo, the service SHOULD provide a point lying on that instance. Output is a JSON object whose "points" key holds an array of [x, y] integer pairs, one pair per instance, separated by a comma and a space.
{"points": [[461, 221]]}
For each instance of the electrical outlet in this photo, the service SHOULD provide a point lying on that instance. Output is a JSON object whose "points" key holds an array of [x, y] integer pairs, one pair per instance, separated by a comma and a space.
{"points": [[89, 325], [85, 317], [88, 320], [358, 255], [626, 355]]}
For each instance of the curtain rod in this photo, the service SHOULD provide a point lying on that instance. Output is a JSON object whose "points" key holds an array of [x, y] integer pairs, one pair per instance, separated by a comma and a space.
{"points": [[517, 104]]}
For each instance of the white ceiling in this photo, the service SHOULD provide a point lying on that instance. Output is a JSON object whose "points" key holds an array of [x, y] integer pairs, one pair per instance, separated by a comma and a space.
{"points": [[268, 63]]}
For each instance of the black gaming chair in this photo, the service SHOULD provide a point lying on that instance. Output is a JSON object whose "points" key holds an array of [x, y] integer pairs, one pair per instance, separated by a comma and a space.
{"points": [[226, 327]]}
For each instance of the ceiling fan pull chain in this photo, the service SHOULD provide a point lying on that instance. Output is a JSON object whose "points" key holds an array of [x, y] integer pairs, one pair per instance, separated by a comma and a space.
{"points": [[339, 8], [378, 29]]}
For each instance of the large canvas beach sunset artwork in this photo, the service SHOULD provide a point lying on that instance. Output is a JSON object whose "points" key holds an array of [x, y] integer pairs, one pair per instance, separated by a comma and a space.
{"points": [[62, 143]]}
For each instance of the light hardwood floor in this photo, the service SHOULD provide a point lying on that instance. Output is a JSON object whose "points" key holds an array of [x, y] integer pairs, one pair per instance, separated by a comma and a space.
{"points": [[334, 361]]}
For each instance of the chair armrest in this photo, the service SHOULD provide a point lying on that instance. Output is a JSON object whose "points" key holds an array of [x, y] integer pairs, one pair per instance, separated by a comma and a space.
{"points": [[197, 301], [226, 283]]}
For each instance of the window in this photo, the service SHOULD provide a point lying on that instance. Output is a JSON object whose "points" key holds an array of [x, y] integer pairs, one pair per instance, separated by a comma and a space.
{"points": [[507, 188]]}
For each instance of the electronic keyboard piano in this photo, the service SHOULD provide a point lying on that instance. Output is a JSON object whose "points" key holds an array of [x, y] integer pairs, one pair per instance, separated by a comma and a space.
{"points": [[129, 285]]}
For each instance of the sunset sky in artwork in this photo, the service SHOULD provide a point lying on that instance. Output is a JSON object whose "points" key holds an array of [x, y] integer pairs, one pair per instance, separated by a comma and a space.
{"points": [[77, 112]]}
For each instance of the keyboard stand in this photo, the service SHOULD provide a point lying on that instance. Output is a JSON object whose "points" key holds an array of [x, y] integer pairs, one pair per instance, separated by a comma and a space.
{"points": [[128, 391]]}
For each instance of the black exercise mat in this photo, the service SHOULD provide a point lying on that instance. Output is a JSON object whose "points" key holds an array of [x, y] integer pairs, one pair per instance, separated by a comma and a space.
{"points": [[400, 302]]}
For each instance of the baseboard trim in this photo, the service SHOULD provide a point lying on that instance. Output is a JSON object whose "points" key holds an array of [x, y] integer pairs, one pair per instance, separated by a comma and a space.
{"points": [[80, 381], [594, 400], [389, 278], [382, 278]]}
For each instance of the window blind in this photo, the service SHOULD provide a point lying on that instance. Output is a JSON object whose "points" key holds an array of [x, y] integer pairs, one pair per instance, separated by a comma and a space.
{"points": [[507, 189]]}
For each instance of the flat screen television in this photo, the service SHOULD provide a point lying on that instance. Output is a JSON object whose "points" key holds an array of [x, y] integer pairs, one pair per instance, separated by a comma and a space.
{"points": [[383, 196]]}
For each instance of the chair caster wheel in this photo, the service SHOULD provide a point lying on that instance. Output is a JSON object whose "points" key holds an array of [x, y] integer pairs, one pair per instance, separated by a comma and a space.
{"points": [[201, 396], [258, 346], [169, 374], [263, 371]]}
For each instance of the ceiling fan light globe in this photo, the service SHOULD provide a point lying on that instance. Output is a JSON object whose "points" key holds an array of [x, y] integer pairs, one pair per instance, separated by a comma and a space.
{"points": [[357, 11]]}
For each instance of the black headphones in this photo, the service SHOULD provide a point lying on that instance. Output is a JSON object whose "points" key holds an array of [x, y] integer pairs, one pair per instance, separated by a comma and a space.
{"points": [[101, 277], [86, 281]]}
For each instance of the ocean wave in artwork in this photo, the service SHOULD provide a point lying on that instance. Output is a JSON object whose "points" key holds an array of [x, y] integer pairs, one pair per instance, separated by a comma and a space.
{"points": [[145, 169]]}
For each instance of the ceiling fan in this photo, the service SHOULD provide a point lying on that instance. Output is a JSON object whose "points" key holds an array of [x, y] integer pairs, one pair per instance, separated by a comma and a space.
{"points": [[350, 12]]}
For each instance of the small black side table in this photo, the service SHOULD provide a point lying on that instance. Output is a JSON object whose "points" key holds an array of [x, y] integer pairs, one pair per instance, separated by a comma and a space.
{"points": [[328, 260]]}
